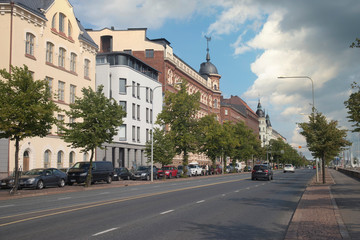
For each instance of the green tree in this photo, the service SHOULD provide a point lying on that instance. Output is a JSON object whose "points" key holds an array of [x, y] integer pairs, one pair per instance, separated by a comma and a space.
{"points": [[228, 142], [97, 119], [26, 109], [209, 137], [323, 138], [353, 106], [179, 114], [163, 148]]}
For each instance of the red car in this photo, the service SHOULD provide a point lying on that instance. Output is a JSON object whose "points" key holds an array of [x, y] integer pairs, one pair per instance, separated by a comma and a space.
{"points": [[168, 171]]}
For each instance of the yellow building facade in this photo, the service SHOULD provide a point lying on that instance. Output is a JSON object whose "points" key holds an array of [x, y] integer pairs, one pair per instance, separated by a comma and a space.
{"points": [[47, 37]]}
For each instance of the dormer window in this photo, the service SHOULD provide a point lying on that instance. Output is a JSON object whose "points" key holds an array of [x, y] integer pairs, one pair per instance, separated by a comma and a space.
{"points": [[53, 23]]}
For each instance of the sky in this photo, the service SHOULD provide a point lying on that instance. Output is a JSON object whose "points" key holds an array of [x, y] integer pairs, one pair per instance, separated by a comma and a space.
{"points": [[253, 42]]}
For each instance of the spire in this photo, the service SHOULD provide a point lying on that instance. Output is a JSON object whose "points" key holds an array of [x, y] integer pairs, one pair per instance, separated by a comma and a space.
{"points": [[208, 39]]}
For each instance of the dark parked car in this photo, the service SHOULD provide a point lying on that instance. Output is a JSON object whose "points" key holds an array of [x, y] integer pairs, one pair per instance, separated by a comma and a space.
{"points": [[38, 178], [8, 182], [122, 173], [181, 170], [144, 173], [262, 171], [101, 171]]}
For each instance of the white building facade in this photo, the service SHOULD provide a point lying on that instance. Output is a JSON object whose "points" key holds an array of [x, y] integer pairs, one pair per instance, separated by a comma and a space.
{"points": [[135, 86]]}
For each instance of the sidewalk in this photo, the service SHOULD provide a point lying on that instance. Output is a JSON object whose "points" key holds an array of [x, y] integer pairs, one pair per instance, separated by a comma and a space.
{"points": [[317, 215]]}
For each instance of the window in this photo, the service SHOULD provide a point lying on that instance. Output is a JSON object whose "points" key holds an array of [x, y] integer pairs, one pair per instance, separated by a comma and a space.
{"points": [[147, 115], [138, 112], [85, 156], [151, 115], [61, 91], [72, 93], [147, 94], [73, 62], [61, 22], [147, 135], [69, 29], [62, 53], [226, 112], [71, 158], [149, 53], [53, 22], [29, 47], [133, 89], [215, 103], [47, 159], [215, 87], [50, 84], [49, 52], [60, 119], [86, 68], [138, 134], [71, 121], [133, 133], [138, 90], [122, 132], [133, 111], [123, 105], [151, 95], [128, 51], [122, 85], [60, 157]]}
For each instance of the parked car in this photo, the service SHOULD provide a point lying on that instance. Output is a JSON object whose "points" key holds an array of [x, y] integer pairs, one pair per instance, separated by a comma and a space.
{"points": [[168, 171], [230, 169], [216, 170], [195, 169], [40, 177], [289, 168], [122, 173], [144, 173], [262, 171], [181, 170], [101, 171]]}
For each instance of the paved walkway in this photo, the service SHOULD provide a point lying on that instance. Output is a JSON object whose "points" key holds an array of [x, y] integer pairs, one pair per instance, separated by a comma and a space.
{"points": [[328, 211]]}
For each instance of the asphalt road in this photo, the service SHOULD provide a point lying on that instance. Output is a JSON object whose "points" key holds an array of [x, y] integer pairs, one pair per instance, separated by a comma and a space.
{"points": [[223, 207]]}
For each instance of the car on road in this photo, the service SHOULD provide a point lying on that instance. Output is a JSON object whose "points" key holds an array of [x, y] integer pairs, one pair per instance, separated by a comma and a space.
{"points": [[181, 170], [101, 171], [195, 170], [122, 173], [40, 178], [289, 168], [168, 171], [230, 169], [262, 171], [144, 173]]}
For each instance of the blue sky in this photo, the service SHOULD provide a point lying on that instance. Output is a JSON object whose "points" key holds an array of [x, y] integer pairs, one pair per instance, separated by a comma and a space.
{"points": [[253, 42]]}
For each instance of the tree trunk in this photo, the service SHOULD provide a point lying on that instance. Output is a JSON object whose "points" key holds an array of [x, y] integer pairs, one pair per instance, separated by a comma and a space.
{"points": [[89, 176], [16, 180], [323, 169]]}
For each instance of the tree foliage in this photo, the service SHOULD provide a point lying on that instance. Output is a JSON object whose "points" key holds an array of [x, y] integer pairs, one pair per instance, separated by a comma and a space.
{"points": [[163, 148], [26, 109], [353, 106], [179, 114], [283, 153], [96, 121], [324, 139]]}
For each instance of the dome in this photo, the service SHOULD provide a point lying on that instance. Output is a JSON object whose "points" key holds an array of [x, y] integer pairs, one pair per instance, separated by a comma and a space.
{"points": [[207, 68]]}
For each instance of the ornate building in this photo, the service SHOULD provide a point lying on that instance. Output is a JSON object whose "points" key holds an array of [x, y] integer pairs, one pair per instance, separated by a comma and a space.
{"points": [[46, 36]]}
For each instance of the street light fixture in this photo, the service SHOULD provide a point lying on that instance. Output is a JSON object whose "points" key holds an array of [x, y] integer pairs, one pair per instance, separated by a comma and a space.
{"points": [[313, 109]]}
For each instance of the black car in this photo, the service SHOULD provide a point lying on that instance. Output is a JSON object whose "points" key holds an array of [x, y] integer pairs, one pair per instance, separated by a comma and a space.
{"points": [[122, 173], [262, 171], [144, 173], [101, 171], [39, 178]]}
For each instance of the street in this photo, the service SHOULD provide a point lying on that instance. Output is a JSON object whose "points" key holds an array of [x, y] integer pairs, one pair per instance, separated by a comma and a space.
{"points": [[222, 207]]}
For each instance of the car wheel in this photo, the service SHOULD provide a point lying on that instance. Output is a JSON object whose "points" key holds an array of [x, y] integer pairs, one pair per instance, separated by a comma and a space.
{"points": [[40, 184], [61, 183], [147, 178], [109, 179]]}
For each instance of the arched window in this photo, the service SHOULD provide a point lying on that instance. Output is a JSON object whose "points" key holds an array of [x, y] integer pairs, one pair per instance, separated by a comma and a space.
{"points": [[47, 159], [61, 23], [29, 47], [60, 159], [26, 160], [71, 159], [215, 87], [49, 52], [86, 67], [62, 53], [53, 22]]}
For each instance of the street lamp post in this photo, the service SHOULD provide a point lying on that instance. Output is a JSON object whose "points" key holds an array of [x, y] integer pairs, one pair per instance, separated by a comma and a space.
{"points": [[313, 110]]}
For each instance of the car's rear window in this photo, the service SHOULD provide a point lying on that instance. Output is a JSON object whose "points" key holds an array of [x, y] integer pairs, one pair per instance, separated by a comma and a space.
{"points": [[262, 167], [288, 165]]}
